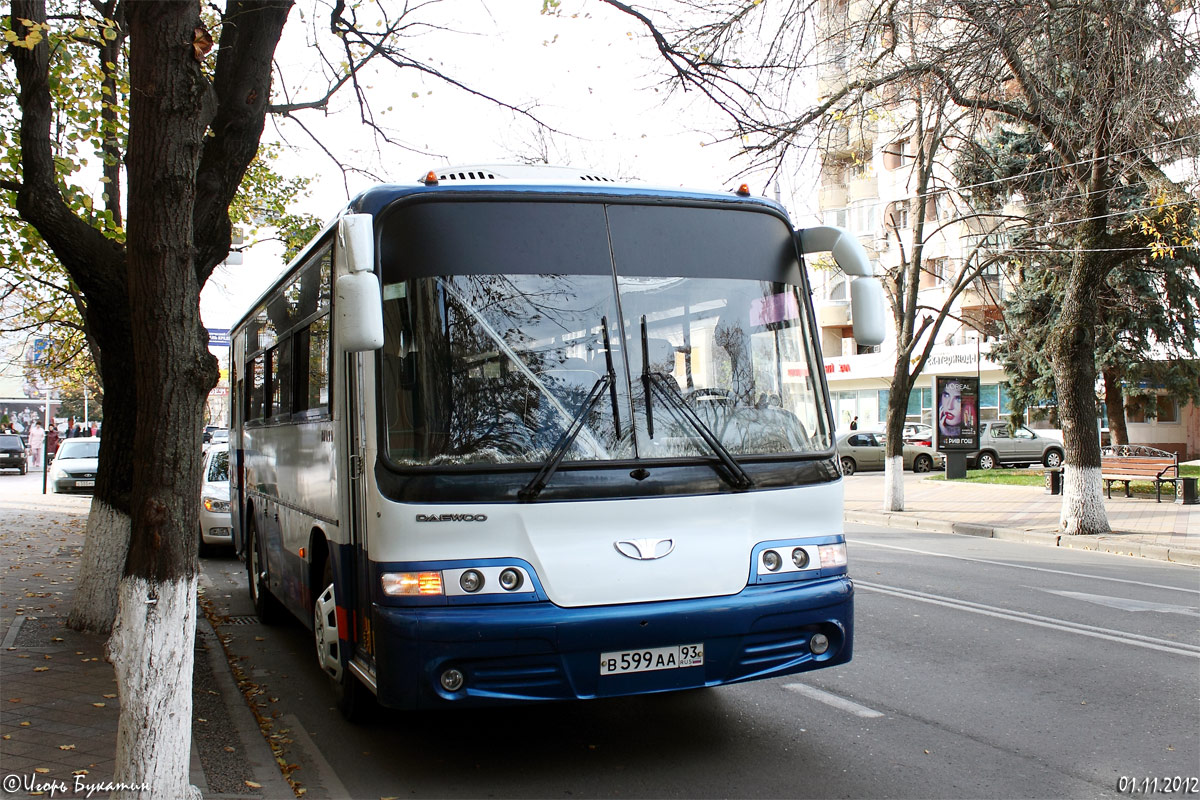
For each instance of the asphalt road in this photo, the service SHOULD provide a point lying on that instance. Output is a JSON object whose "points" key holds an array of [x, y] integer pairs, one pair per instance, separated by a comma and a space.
{"points": [[982, 669]]}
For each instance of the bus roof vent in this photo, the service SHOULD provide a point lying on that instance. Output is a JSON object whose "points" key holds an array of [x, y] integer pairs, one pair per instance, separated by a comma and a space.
{"points": [[540, 173]]}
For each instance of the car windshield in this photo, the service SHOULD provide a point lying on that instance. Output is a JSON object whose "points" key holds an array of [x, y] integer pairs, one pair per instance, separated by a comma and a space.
{"points": [[9, 442], [218, 467], [79, 449], [505, 368]]}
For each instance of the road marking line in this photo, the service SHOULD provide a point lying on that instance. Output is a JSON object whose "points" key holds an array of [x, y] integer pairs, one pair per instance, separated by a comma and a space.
{"points": [[833, 700], [1136, 640], [1022, 566], [1122, 603]]}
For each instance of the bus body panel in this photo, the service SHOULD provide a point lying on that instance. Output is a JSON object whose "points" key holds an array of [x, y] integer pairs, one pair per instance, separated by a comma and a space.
{"points": [[701, 546], [542, 652], [290, 479]]}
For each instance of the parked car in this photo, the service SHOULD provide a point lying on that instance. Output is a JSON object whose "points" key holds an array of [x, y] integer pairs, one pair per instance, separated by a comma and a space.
{"points": [[918, 433], [215, 525], [12, 452], [864, 450], [74, 467], [219, 436], [998, 446]]}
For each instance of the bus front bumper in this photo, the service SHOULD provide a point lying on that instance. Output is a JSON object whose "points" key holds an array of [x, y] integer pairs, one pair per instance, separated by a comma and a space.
{"points": [[539, 651]]}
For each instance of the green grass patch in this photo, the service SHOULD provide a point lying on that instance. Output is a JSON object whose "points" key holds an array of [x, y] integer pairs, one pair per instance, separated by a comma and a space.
{"points": [[1037, 477], [1010, 477]]}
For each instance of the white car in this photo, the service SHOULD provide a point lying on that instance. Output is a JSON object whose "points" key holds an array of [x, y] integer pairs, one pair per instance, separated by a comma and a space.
{"points": [[74, 466], [215, 526]]}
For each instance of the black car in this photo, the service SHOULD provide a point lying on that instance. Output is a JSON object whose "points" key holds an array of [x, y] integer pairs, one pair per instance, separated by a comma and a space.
{"points": [[12, 452]]}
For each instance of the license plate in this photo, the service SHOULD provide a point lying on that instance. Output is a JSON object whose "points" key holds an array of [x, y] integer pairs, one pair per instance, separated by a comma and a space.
{"points": [[649, 660], [85, 483]]}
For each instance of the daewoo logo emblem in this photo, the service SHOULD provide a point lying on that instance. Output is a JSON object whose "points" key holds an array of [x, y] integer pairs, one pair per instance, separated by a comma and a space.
{"points": [[645, 549]]}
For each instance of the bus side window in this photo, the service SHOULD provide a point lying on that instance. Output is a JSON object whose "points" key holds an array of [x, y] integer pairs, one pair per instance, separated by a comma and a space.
{"points": [[254, 411]]}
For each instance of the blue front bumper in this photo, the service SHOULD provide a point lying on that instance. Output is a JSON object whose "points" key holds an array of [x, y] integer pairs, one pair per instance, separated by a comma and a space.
{"points": [[539, 651]]}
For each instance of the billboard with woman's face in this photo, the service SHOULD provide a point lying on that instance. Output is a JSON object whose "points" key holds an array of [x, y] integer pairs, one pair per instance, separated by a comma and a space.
{"points": [[957, 413]]}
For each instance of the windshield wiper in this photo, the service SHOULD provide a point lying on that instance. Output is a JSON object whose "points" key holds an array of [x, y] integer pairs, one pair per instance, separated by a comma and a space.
{"points": [[550, 466], [666, 388]]}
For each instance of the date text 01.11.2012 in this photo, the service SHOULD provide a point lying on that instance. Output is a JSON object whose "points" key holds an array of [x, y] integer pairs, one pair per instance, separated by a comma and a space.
{"points": [[1158, 785]]}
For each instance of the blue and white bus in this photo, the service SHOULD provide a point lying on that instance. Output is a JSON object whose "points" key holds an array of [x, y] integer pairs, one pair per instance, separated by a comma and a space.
{"points": [[524, 434]]}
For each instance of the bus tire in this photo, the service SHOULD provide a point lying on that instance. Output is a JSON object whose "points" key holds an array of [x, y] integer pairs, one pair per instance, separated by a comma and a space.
{"points": [[353, 699], [265, 605]]}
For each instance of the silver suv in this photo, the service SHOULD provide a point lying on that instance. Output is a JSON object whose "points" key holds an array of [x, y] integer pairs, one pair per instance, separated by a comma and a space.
{"points": [[999, 446]]}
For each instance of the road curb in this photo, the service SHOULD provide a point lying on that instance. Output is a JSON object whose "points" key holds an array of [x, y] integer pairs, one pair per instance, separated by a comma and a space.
{"points": [[1114, 544], [257, 752]]}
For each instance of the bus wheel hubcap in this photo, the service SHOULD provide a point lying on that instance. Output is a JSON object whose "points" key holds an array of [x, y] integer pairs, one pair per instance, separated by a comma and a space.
{"points": [[325, 633]]}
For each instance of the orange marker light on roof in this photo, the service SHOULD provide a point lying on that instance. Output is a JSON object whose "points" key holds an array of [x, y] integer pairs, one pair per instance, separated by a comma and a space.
{"points": [[744, 190], [430, 178]]}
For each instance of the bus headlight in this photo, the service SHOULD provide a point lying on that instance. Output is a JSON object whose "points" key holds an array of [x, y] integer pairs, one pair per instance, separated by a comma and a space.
{"points": [[797, 560], [471, 581], [511, 579], [800, 557]]}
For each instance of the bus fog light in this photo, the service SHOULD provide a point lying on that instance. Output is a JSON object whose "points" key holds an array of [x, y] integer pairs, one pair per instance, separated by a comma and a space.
{"points": [[772, 561], [511, 580], [818, 644], [452, 680], [471, 581], [800, 557]]}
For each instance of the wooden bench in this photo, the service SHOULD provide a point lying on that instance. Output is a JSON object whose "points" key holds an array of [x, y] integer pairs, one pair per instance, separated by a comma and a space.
{"points": [[1125, 463]]}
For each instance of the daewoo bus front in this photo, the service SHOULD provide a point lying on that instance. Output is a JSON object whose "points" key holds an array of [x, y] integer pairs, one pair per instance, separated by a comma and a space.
{"points": [[604, 461]]}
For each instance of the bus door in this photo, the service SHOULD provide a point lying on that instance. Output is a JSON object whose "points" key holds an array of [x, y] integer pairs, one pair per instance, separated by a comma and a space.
{"points": [[357, 591]]}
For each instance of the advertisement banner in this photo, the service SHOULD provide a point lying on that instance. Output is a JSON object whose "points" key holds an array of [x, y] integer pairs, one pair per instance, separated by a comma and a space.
{"points": [[956, 409]]}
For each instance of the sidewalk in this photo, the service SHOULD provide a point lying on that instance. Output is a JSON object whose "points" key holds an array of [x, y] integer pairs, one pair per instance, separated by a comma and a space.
{"points": [[1141, 527], [58, 695]]}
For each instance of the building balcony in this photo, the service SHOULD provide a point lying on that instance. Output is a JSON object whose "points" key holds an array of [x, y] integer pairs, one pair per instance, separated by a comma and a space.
{"points": [[833, 313], [832, 196], [865, 188]]}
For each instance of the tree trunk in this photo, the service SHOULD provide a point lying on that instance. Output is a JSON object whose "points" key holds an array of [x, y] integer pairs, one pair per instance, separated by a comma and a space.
{"points": [[94, 604], [151, 647], [897, 413], [1114, 398], [1072, 353]]}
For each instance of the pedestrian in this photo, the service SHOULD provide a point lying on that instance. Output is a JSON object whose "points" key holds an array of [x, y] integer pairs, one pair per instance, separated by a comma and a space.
{"points": [[51, 442], [70, 431], [37, 437], [854, 424]]}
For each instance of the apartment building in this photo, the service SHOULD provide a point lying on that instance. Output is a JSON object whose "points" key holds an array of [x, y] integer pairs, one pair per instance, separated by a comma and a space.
{"points": [[868, 186]]}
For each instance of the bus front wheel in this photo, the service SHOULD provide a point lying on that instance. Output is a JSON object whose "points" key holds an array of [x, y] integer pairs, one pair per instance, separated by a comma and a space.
{"points": [[353, 699]]}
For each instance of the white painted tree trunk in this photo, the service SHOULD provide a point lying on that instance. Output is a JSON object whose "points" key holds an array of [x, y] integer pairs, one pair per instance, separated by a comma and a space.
{"points": [[151, 647], [893, 483], [1083, 502], [105, 546]]}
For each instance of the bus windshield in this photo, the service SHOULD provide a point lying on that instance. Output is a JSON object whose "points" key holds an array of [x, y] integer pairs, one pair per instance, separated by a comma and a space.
{"points": [[648, 354]]}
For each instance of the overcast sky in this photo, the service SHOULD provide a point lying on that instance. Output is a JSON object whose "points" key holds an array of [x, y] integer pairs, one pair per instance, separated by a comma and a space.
{"points": [[589, 72]]}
